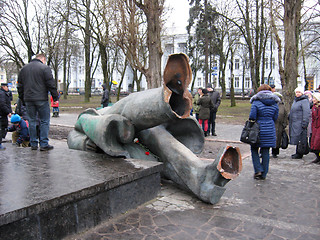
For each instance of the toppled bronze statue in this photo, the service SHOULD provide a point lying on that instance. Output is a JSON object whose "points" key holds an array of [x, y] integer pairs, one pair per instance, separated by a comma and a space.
{"points": [[160, 119]]}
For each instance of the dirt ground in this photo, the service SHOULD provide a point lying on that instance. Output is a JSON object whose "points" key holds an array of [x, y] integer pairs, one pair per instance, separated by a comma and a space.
{"points": [[59, 132]]}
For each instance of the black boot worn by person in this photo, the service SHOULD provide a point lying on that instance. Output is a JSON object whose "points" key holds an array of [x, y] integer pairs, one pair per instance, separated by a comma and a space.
{"points": [[296, 156], [46, 148]]}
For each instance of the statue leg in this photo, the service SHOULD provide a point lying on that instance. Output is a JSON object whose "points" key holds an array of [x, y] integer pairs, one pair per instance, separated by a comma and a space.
{"points": [[206, 179]]}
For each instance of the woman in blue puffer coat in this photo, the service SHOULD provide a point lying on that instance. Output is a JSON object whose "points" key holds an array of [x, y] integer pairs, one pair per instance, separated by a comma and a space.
{"points": [[264, 110]]}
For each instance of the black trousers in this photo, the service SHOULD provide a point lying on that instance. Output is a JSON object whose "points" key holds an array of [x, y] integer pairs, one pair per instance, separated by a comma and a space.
{"points": [[275, 151], [4, 125], [0, 130], [212, 122]]}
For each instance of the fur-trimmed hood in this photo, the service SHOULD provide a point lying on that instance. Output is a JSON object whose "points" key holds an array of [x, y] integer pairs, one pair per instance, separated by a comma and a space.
{"points": [[266, 97]]}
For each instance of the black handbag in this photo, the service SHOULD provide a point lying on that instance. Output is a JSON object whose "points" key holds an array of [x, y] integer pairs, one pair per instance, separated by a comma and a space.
{"points": [[250, 132], [303, 146], [284, 139]]}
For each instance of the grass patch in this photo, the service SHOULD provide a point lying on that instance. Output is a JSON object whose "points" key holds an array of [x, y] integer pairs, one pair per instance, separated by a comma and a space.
{"points": [[233, 115], [226, 114]]}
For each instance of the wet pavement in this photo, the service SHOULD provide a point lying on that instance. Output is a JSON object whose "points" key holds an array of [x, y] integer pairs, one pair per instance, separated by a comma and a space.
{"points": [[284, 206]]}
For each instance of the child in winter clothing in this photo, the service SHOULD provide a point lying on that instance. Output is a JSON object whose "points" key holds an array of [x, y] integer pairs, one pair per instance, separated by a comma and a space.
{"points": [[55, 105], [20, 135]]}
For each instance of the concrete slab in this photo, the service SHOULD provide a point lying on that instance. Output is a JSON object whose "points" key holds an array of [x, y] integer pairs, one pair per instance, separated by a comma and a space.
{"points": [[41, 190]]}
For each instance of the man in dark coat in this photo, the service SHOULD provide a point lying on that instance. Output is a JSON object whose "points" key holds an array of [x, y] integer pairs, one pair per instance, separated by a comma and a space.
{"points": [[35, 80], [5, 111], [216, 100], [105, 96]]}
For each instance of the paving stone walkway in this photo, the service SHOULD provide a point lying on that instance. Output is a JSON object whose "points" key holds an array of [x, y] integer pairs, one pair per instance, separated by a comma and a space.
{"points": [[284, 206]]}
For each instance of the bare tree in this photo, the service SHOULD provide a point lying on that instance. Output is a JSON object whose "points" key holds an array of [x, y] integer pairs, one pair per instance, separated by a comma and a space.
{"points": [[252, 25], [18, 38], [132, 38], [153, 10], [291, 22], [288, 61]]}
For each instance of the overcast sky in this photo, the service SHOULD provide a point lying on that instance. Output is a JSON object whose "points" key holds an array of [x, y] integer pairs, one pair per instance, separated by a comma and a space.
{"points": [[177, 17]]}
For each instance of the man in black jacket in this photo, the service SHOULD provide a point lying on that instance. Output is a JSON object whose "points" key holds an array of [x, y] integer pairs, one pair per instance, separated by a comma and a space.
{"points": [[216, 100], [5, 111], [35, 80]]}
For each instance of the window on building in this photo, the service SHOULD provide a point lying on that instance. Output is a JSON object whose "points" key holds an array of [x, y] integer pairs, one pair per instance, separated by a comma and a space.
{"points": [[266, 61], [215, 63], [272, 63], [246, 63], [236, 82], [236, 64], [183, 47], [199, 82], [271, 81], [169, 48], [247, 82]]}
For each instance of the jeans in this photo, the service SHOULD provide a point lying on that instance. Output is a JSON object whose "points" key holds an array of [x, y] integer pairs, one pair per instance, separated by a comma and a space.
{"points": [[212, 121], [262, 166], [39, 109]]}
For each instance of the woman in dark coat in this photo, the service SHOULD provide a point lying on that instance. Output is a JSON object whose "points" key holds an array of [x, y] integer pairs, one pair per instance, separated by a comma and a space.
{"points": [[315, 137], [204, 112], [264, 110], [299, 120], [280, 124]]}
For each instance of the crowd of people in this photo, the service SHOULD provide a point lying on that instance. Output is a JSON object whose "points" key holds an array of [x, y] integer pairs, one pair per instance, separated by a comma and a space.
{"points": [[31, 125], [205, 106], [304, 126], [268, 110]]}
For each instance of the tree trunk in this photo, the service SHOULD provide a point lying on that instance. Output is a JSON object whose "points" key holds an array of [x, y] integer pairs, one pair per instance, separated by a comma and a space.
{"points": [[65, 52], [87, 54], [232, 99], [206, 46], [291, 21], [153, 11], [222, 70], [104, 64]]}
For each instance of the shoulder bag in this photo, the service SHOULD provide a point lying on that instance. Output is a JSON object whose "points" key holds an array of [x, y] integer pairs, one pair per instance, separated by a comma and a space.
{"points": [[303, 146], [250, 132]]}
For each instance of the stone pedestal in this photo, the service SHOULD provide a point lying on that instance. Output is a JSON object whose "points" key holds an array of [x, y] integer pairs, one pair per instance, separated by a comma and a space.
{"points": [[49, 195]]}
